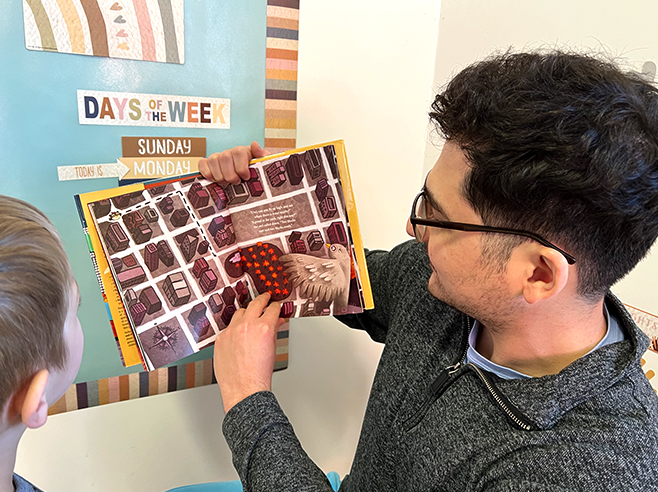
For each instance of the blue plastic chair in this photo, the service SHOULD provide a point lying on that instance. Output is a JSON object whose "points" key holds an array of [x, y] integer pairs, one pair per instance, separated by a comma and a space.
{"points": [[236, 486]]}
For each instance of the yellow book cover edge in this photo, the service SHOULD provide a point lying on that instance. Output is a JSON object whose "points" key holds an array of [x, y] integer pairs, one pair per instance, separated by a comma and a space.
{"points": [[127, 342]]}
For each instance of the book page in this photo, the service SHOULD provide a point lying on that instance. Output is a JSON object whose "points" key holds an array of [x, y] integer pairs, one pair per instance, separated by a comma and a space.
{"points": [[186, 253], [175, 293], [297, 245]]}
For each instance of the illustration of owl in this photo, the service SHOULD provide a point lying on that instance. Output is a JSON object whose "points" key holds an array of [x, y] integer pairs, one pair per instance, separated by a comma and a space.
{"points": [[321, 279]]}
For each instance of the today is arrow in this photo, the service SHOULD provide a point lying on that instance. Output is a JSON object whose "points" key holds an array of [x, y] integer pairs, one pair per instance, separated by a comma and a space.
{"points": [[92, 171]]}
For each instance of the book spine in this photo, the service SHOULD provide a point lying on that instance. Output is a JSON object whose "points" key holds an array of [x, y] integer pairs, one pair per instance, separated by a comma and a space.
{"points": [[94, 262], [92, 253]]}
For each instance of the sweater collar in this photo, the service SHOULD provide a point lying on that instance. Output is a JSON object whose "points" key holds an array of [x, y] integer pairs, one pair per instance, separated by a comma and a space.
{"points": [[546, 399]]}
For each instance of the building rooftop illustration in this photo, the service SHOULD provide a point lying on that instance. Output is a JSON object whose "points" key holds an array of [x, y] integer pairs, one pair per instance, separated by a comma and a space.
{"points": [[176, 289]]}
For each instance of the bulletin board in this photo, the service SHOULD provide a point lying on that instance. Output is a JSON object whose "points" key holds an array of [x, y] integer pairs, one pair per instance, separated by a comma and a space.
{"points": [[243, 52]]}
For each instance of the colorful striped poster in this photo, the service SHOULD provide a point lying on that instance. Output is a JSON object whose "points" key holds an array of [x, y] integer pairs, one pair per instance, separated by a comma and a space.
{"points": [[150, 30], [281, 75]]}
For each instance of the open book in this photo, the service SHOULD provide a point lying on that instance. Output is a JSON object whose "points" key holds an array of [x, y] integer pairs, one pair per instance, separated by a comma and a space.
{"points": [[176, 258]]}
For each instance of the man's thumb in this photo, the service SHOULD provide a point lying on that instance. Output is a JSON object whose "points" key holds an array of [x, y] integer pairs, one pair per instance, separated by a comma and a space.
{"points": [[258, 151]]}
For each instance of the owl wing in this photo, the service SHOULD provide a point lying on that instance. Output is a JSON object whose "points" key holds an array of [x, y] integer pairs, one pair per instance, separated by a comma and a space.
{"points": [[320, 279]]}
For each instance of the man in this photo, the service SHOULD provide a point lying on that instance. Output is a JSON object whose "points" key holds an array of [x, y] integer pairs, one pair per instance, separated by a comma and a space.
{"points": [[508, 365]]}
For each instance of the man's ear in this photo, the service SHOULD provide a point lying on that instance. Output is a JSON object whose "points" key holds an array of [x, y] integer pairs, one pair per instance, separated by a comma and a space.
{"points": [[30, 401], [546, 274]]}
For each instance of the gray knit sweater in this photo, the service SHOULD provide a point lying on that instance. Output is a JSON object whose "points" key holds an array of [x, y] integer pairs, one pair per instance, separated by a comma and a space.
{"points": [[22, 485], [434, 424]]}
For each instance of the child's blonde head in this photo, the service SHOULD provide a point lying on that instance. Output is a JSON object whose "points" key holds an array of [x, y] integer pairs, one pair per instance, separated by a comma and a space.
{"points": [[36, 283]]}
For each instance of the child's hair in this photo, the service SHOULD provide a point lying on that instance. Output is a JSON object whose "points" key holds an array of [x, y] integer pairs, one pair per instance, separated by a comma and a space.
{"points": [[36, 283]]}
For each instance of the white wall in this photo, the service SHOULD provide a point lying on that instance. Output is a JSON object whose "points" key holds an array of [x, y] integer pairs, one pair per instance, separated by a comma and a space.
{"points": [[365, 76], [472, 29]]}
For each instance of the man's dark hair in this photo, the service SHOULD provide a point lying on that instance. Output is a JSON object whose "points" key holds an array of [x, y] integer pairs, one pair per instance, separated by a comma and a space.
{"points": [[564, 145]]}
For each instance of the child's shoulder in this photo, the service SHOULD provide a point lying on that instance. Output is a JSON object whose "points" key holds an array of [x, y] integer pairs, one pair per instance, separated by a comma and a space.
{"points": [[22, 485]]}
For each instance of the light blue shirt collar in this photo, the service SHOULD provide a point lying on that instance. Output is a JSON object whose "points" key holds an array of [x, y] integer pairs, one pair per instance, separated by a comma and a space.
{"points": [[613, 334]]}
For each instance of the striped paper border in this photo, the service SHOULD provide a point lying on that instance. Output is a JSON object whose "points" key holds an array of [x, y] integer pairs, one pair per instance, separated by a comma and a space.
{"points": [[141, 384], [136, 385], [281, 75], [280, 136]]}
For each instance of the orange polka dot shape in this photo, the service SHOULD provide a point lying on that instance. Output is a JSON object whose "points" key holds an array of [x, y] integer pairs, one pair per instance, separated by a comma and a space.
{"points": [[261, 263]]}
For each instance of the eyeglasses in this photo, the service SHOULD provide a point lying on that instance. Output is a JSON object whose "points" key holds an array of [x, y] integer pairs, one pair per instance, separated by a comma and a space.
{"points": [[419, 221]]}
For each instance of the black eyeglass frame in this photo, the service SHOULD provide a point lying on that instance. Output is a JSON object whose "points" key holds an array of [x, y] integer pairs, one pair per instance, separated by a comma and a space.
{"points": [[460, 226]]}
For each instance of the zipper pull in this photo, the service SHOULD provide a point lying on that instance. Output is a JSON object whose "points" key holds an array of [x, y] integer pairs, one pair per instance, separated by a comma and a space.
{"points": [[435, 389], [443, 378]]}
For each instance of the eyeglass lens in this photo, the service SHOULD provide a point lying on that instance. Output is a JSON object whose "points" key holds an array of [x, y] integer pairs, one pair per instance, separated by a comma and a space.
{"points": [[421, 213]]}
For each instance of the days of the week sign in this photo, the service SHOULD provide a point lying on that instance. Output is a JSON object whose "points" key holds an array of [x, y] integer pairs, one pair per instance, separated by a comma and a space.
{"points": [[132, 109]]}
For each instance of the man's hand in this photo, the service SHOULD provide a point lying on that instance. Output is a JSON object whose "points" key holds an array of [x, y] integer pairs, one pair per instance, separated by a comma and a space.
{"points": [[245, 351], [232, 165]]}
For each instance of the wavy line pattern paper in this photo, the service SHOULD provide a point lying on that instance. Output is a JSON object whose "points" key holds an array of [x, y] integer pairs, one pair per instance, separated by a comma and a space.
{"points": [[648, 323], [150, 30]]}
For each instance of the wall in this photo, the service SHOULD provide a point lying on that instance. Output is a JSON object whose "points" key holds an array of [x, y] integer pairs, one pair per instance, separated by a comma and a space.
{"points": [[365, 75]]}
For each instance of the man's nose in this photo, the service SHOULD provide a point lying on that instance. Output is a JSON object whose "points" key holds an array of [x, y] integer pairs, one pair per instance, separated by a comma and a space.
{"points": [[410, 228]]}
